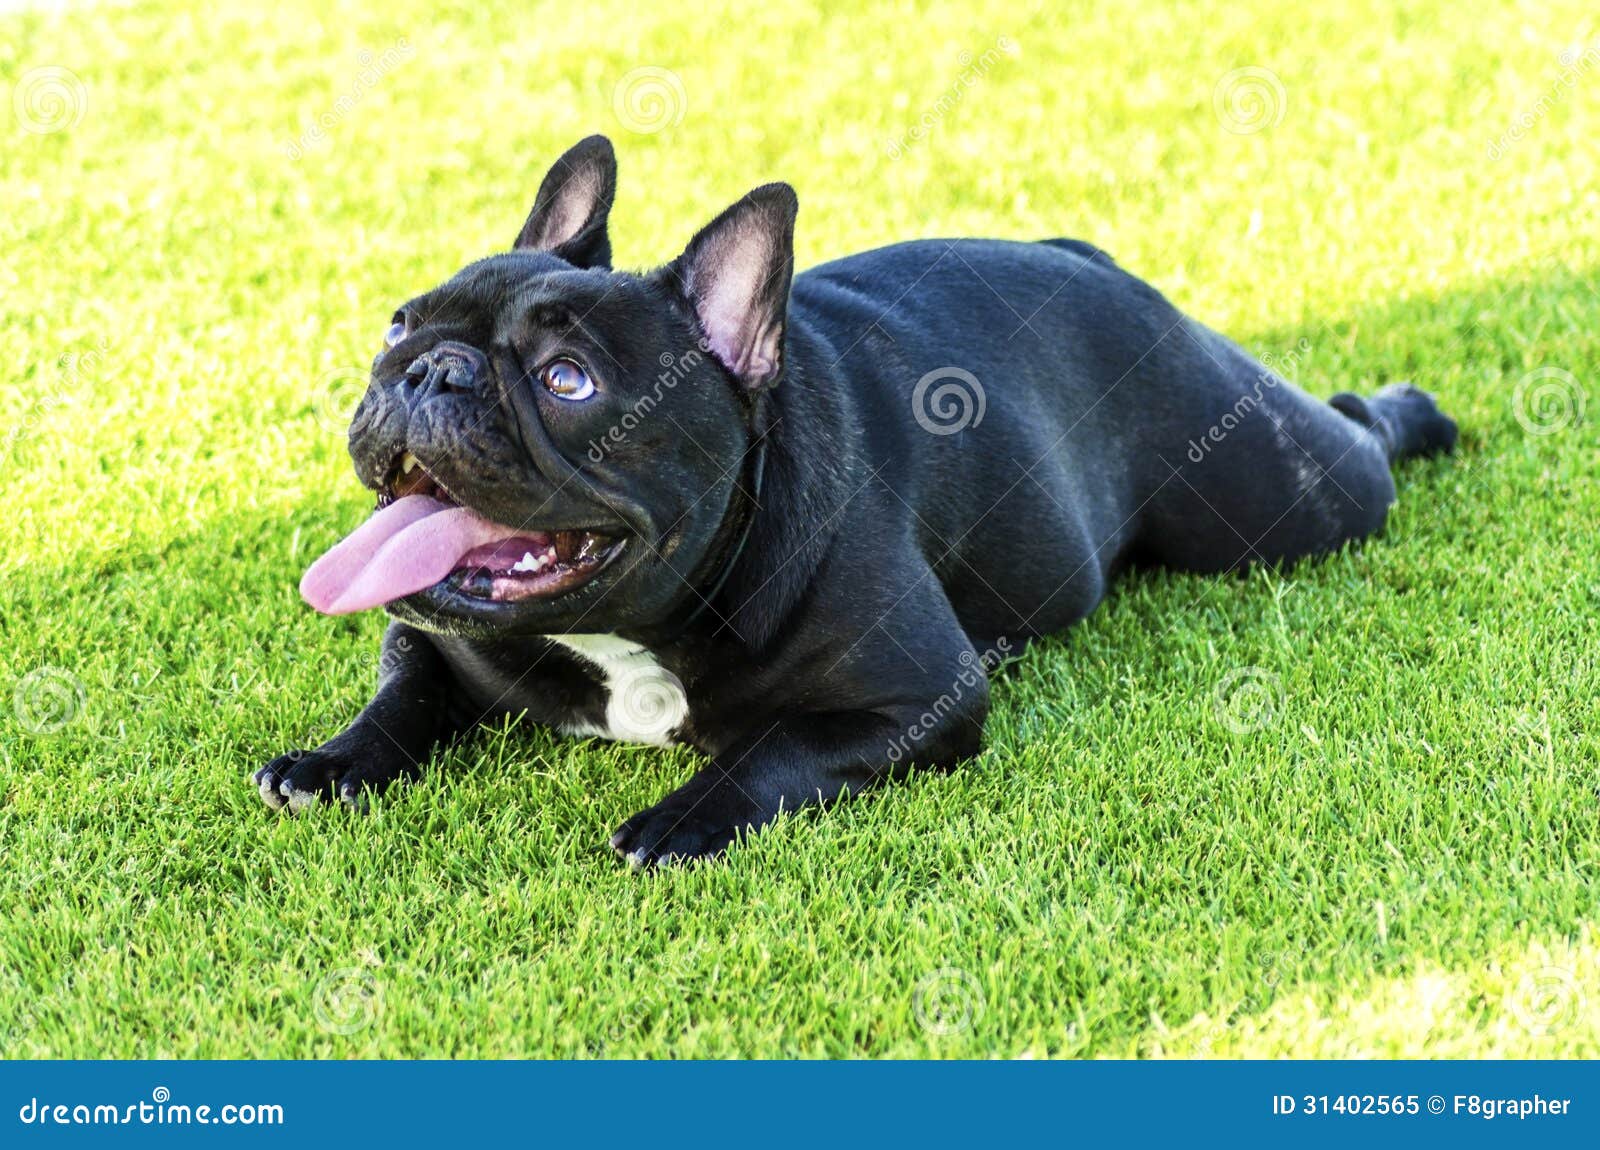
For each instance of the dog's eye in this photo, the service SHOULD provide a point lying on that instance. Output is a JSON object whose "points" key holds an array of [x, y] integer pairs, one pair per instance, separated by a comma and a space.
{"points": [[397, 330], [563, 378]]}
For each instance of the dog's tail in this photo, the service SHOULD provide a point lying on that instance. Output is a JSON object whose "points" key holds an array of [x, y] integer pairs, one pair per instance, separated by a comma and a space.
{"points": [[1405, 418]]}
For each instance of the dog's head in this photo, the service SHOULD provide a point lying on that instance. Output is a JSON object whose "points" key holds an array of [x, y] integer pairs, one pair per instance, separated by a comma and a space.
{"points": [[557, 446]]}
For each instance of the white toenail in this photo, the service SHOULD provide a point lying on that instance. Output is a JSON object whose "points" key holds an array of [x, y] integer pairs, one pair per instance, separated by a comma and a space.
{"points": [[300, 800]]}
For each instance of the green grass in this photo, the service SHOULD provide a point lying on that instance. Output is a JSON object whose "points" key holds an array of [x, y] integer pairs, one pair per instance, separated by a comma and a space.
{"points": [[1396, 856]]}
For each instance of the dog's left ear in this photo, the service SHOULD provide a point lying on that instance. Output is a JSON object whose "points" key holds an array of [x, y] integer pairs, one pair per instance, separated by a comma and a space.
{"points": [[569, 214], [735, 276]]}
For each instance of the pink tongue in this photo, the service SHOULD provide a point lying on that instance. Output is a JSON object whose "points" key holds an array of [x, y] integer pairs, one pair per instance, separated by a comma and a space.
{"points": [[406, 547]]}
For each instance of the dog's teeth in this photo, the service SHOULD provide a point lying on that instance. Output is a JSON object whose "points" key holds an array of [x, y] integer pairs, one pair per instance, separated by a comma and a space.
{"points": [[408, 464], [526, 563]]}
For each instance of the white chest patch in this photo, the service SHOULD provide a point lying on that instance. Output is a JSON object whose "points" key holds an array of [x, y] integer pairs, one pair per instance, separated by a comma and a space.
{"points": [[646, 701]]}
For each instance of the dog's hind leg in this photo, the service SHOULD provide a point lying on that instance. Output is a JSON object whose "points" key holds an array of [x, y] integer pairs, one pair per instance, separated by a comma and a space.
{"points": [[1268, 474]]}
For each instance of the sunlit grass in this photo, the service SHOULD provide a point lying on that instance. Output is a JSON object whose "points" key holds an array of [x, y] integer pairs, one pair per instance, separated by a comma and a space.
{"points": [[1375, 863]]}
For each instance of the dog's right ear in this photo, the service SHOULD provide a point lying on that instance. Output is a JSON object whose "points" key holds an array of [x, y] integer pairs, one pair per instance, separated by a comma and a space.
{"points": [[569, 214]]}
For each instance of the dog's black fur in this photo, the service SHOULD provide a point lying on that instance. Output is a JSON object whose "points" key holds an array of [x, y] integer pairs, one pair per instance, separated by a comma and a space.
{"points": [[823, 562]]}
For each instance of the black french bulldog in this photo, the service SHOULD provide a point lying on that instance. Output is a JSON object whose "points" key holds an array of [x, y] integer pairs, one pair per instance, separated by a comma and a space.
{"points": [[793, 525]]}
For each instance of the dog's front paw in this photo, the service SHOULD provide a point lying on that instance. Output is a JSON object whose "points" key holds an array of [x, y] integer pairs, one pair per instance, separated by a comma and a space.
{"points": [[696, 821], [302, 779]]}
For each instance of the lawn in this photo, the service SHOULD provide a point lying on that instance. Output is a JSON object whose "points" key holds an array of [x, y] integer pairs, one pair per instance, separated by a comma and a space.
{"points": [[1351, 810]]}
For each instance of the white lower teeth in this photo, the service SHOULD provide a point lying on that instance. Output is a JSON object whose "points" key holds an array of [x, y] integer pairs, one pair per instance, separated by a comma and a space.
{"points": [[528, 564]]}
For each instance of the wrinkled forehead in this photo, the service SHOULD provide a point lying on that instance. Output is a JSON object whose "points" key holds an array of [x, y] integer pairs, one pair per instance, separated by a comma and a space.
{"points": [[501, 298]]}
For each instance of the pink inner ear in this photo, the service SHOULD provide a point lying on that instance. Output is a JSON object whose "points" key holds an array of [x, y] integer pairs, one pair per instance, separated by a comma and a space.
{"points": [[573, 205], [728, 304]]}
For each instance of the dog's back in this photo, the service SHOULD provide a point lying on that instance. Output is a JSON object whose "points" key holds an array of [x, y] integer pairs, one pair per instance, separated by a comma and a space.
{"points": [[1055, 400]]}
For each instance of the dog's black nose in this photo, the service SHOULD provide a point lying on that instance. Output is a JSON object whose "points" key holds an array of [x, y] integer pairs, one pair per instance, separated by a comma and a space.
{"points": [[447, 367]]}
